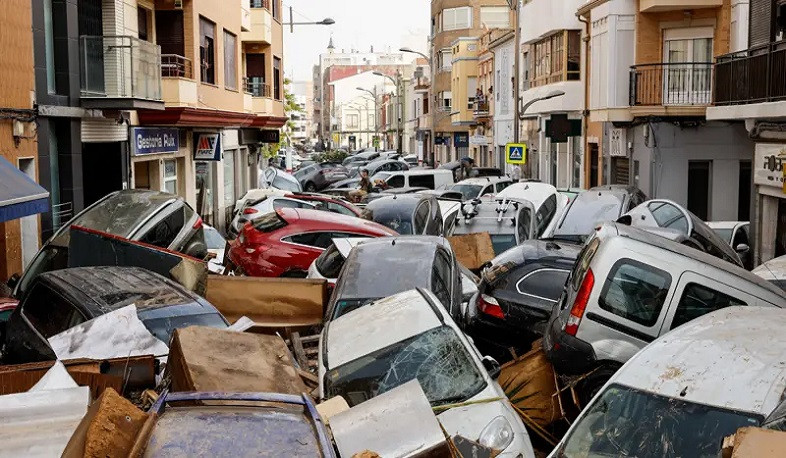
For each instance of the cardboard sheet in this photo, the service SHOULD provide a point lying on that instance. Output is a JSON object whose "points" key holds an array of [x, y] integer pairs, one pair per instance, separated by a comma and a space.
{"points": [[472, 250], [274, 302], [753, 442], [209, 359]]}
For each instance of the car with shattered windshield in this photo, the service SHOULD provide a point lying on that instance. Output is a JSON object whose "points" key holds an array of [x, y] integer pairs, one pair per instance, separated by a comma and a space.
{"points": [[410, 336], [685, 392]]}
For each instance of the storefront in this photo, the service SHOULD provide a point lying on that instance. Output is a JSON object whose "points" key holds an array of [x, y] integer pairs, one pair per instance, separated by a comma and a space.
{"points": [[160, 160], [770, 201], [208, 173]]}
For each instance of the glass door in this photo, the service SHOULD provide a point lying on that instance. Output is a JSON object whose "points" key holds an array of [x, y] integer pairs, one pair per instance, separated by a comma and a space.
{"points": [[687, 71]]}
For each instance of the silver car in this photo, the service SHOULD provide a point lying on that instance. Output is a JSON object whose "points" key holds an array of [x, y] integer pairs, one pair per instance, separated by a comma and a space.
{"points": [[508, 222]]}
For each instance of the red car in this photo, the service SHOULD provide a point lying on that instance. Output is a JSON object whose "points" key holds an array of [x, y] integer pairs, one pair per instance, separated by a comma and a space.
{"points": [[286, 242], [328, 203]]}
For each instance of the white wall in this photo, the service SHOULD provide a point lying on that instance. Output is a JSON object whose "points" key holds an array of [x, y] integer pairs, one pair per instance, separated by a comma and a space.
{"points": [[612, 53], [573, 100], [504, 103], [541, 17]]}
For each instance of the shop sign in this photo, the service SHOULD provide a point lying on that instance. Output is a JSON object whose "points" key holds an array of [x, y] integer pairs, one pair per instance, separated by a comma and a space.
{"points": [[478, 140], [460, 139], [207, 147], [269, 136], [154, 140], [769, 166]]}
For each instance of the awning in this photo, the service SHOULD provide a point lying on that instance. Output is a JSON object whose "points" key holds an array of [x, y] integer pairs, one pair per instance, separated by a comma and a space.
{"points": [[19, 195]]}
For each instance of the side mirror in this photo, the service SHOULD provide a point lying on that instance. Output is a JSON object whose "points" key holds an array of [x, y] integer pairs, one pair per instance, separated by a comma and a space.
{"points": [[492, 367], [13, 281], [742, 248]]}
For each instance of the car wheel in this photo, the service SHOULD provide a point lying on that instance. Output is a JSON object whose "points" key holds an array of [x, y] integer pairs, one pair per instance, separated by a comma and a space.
{"points": [[310, 187], [589, 387]]}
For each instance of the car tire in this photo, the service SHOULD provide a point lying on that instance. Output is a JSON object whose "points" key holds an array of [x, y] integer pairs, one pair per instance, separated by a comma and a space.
{"points": [[589, 387], [310, 187]]}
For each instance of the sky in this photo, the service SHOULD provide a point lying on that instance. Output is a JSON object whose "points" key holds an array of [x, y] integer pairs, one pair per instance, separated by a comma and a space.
{"points": [[359, 25]]}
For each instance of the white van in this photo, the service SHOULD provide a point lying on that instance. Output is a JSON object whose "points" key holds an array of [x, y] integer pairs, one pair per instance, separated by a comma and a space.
{"points": [[686, 391], [424, 178]]}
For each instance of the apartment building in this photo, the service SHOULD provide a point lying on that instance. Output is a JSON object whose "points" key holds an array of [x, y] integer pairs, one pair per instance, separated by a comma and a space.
{"points": [[501, 97], [155, 94], [417, 119], [661, 139], [354, 97], [551, 63], [750, 86], [21, 199], [456, 28]]}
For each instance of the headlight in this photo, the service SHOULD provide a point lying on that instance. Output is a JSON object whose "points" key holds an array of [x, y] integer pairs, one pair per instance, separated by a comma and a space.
{"points": [[498, 434]]}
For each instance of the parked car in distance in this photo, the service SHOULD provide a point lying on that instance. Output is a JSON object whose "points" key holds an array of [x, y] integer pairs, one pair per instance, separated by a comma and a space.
{"points": [[737, 235], [240, 424], [381, 165], [156, 218], [410, 159], [411, 336], [476, 172], [409, 262], [666, 214], [592, 208], [475, 188], [773, 271], [316, 177], [711, 376], [287, 241], [628, 287], [61, 299], [516, 294], [420, 178], [267, 201], [508, 222], [407, 214], [216, 246], [364, 157], [546, 200], [272, 177]]}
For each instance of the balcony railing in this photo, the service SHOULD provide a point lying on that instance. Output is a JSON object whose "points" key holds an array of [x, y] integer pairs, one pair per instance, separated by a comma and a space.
{"points": [[678, 84], [481, 109], [176, 66], [119, 67], [755, 75], [260, 4], [256, 86]]}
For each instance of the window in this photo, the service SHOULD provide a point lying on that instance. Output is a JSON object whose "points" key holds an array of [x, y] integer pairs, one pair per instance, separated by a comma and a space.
{"points": [[277, 78], [269, 223], [170, 176], [143, 24], [49, 47], [290, 203], [319, 239], [472, 88], [230, 63], [698, 300], [546, 284], [421, 181], [207, 50], [457, 18], [396, 181], [229, 178], [338, 208], [524, 223], [556, 58], [446, 100], [329, 263], [487, 190], [352, 121], [635, 291], [445, 58], [668, 216], [502, 185], [545, 214], [49, 313], [440, 278], [495, 17], [421, 217], [740, 237], [276, 9], [164, 231], [425, 104]]}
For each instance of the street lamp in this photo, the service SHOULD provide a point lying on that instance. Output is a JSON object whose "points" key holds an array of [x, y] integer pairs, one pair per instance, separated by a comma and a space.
{"points": [[412, 51], [398, 105], [376, 109], [550, 95], [292, 23]]}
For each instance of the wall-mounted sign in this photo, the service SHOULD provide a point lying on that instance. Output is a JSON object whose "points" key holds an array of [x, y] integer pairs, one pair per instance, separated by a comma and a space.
{"points": [[269, 136], [478, 140], [618, 143], [207, 147], [154, 140], [460, 139], [769, 165], [516, 153], [559, 128]]}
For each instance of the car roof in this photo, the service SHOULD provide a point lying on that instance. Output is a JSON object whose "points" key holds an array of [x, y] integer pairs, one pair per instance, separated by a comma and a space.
{"points": [[642, 236], [424, 172], [378, 325], [108, 288], [398, 202], [482, 180], [332, 220], [537, 193], [727, 358], [724, 224], [121, 212], [774, 269], [256, 194], [541, 251]]}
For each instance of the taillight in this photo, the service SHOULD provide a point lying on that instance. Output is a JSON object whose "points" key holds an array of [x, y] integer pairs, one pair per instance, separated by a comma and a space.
{"points": [[198, 224], [249, 211], [580, 304], [490, 306]]}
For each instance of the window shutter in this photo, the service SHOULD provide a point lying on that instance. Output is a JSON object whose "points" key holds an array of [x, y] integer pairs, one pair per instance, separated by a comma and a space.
{"points": [[169, 32], [760, 30]]}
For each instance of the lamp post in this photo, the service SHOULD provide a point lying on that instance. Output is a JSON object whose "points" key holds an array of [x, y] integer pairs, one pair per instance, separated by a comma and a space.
{"points": [[376, 109], [430, 71], [396, 81]]}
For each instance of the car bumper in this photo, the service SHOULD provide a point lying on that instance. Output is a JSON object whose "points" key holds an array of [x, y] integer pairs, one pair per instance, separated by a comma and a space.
{"points": [[568, 354], [500, 334]]}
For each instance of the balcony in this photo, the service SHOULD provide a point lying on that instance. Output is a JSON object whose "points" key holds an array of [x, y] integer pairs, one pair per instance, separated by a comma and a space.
{"points": [[261, 23], [756, 75], [120, 72], [481, 110], [656, 6], [256, 86], [671, 88], [179, 86]]}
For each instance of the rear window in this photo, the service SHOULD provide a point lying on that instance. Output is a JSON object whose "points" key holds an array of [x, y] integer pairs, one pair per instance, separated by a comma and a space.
{"points": [[588, 210], [163, 328], [698, 300], [546, 284], [269, 223], [635, 291], [669, 216], [330, 262], [502, 242]]}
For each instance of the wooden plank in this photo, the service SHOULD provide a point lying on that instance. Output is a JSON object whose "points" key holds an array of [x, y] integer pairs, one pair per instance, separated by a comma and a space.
{"points": [[269, 302], [297, 348], [308, 377]]}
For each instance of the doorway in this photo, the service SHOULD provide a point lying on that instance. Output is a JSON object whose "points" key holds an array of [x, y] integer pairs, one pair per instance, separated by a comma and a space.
{"points": [[594, 153], [28, 224], [102, 170], [744, 202], [699, 173]]}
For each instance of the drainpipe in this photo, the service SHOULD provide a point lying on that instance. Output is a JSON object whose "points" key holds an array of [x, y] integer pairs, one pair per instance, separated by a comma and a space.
{"points": [[585, 114]]}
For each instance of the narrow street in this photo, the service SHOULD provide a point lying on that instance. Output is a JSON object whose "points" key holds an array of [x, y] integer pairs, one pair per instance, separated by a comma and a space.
{"points": [[361, 229]]}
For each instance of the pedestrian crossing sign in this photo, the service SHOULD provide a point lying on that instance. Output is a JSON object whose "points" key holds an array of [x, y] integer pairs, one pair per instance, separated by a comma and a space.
{"points": [[516, 153]]}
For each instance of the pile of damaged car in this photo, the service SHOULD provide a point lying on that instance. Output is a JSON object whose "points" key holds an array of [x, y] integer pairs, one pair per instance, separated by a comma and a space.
{"points": [[480, 318]]}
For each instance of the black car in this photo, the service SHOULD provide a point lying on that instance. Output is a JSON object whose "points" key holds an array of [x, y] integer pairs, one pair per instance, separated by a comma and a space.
{"points": [[390, 265], [516, 294], [593, 207], [61, 299], [407, 214]]}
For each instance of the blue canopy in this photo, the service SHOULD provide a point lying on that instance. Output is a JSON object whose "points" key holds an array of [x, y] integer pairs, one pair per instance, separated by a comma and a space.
{"points": [[19, 195]]}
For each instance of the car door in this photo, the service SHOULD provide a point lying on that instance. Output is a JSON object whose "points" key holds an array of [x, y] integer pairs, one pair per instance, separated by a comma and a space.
{"points": [[697, 295]]}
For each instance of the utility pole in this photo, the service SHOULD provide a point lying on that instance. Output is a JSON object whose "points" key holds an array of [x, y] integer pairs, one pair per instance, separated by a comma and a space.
{"points": [[516, 63], [399, 111]]}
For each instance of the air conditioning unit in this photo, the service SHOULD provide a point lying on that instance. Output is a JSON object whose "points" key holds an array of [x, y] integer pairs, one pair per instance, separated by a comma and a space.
{"points": [[178, 4]]}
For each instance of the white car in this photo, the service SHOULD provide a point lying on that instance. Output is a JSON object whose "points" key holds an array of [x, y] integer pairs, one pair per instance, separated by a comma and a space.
{"points": [[774, 271], [474, 188], [329, 263], [258, 202], [687, 390], [547, 201], [216, 246], [409, 336]]}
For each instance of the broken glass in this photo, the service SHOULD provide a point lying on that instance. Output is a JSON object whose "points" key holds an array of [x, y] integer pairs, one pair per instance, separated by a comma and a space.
{"points": [[628, 422], [437, 358]]}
